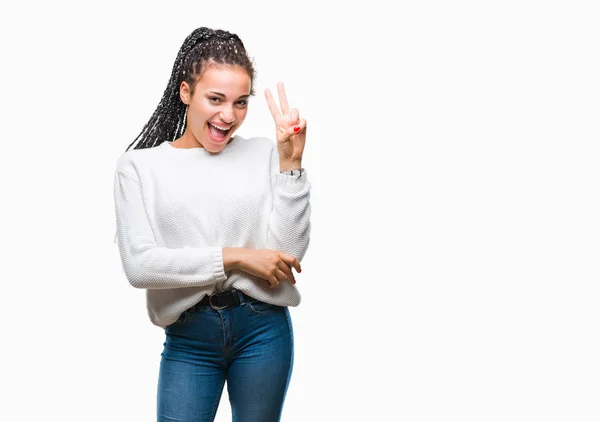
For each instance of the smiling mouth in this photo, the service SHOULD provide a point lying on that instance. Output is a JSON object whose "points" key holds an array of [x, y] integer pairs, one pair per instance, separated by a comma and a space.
{"points": [[218, 133]]}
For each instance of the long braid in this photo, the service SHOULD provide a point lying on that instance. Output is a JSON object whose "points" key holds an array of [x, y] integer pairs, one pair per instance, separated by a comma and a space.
{"points": [[201, 47]]}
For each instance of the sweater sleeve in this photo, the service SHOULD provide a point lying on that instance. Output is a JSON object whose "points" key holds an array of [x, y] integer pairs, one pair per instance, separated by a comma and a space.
{"points": [[289, 221], [147, 265]]}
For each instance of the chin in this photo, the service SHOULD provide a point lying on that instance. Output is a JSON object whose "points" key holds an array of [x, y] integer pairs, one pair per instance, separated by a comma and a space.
{"points": [[216, 147], [214, 150]]}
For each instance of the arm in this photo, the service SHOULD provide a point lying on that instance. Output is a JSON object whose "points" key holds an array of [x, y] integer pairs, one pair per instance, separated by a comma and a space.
{"points": [[147, 265], [233, 258], [289, 221]]}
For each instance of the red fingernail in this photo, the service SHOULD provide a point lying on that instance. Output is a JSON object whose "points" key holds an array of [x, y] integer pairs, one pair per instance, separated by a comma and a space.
{"points": [[300, 270], [296, 129]]}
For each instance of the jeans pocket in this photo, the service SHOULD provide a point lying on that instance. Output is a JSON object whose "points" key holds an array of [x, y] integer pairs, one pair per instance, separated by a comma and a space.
{"points": [[259, 307]]}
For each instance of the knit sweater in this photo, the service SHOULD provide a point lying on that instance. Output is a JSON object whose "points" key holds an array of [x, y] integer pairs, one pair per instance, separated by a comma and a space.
{"points": [[176, 209]]}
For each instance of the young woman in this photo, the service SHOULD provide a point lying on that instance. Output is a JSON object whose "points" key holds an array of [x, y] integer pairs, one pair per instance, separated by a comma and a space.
{"points": [[211, 225]]}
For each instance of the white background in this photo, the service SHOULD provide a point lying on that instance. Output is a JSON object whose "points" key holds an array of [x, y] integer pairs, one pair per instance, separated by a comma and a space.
{"points": [[453, 151]]}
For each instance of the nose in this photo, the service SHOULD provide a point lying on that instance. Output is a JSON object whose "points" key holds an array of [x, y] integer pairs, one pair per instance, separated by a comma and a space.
{"points": [[227, 116]]}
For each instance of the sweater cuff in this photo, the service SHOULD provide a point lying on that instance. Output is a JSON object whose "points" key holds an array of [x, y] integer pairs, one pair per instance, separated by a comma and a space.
{"points": [[297, 182], [218, 266]]}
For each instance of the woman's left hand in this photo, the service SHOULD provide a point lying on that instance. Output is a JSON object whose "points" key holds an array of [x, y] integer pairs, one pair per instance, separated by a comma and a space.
{"points": [[291, 130]]}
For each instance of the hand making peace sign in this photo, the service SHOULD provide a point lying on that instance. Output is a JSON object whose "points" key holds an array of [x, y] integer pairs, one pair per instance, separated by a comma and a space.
{"points": [[291, 130]]}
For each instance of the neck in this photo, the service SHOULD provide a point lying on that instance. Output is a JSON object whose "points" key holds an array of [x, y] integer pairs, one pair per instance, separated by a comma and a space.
{"points": [[187, 140]]}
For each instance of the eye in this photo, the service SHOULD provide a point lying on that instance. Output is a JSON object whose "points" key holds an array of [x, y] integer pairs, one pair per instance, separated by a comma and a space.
{"points": [[217, 99], [243, 103]]}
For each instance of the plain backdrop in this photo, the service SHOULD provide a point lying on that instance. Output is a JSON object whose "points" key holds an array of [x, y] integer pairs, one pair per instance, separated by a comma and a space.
{"points": [[453, 152]]}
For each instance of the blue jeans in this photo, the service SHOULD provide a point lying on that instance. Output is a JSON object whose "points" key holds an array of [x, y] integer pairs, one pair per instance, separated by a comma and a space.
{"points": [[250, 345]]}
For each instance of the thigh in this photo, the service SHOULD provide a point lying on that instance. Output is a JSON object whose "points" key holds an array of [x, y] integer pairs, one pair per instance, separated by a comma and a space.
{"points": [[192, 369], [261, 371]]}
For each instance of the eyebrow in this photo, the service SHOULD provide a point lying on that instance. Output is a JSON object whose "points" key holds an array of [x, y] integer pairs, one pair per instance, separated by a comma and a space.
{"points": [[223, 95]]}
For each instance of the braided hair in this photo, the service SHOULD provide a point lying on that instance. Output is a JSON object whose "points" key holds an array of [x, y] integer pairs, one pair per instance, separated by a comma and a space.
{"points": [[202, 48]]}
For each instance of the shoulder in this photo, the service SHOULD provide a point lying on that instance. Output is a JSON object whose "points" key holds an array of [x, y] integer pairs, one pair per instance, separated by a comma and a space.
{"points": [[257, 143], [130, 161]]}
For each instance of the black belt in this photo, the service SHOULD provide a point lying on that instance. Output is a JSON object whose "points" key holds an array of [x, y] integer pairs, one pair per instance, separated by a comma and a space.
{"points": [[224, 300]]}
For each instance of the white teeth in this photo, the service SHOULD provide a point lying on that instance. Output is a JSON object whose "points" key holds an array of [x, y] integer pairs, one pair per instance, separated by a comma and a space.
{"points": [[218, 127]]}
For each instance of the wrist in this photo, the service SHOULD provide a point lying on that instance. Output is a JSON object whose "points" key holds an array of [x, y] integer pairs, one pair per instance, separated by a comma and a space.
{"points": [[233, 258], [290, 165]]}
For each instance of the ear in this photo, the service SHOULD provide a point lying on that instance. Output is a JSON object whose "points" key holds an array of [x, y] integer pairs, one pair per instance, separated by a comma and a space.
{"points": [[184, 92]]}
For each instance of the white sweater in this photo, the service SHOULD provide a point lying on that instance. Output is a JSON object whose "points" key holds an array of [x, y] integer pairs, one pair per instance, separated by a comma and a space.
{"points": [[176, 209]]}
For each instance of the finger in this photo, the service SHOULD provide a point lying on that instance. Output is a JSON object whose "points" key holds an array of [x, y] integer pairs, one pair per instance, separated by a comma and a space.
{"points": [[281, 276], [302, 126], [271, 103], [291, 260], [299, 128], [273, 282], [294, 116], [285, 108], [288, 271]]}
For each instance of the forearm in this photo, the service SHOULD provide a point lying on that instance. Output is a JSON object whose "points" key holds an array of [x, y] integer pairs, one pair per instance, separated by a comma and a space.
{"points": [[289, 220], [289, 230], [151, 267]]}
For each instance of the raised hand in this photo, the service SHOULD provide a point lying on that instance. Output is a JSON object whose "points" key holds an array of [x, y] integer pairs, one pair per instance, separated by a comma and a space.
{"points": [[290, 129]]}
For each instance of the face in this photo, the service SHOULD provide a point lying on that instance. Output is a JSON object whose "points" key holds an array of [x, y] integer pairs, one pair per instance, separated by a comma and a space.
{"points": [[218, 106]]}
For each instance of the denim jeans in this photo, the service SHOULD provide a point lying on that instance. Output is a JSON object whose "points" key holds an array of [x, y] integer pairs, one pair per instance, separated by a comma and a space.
{"points": [[250, 345]]}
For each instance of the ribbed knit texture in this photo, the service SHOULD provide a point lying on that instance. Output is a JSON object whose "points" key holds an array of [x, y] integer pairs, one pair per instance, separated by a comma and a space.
{"points": [[176, 209]]}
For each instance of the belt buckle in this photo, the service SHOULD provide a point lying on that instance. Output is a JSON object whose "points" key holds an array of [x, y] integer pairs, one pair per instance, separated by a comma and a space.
{"points": [[213, 306]]}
